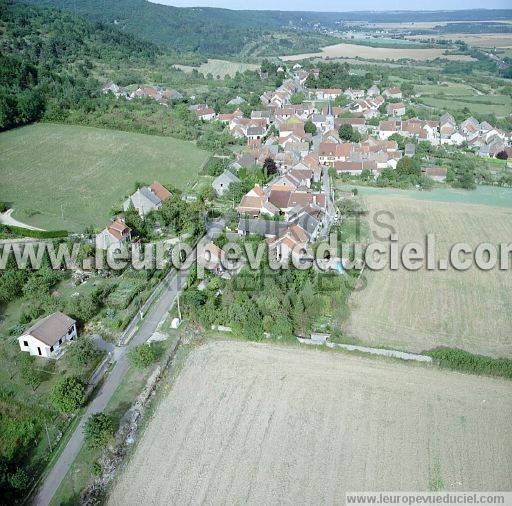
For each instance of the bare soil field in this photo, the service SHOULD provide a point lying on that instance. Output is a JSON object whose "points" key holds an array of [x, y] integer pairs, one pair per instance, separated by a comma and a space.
{"points": [[248, 423], [377, 53], [421, 310]]}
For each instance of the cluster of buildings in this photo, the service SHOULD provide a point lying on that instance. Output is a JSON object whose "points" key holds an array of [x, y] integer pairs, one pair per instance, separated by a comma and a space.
{"points": [[144, 200], [288, 212], [162, 95]]}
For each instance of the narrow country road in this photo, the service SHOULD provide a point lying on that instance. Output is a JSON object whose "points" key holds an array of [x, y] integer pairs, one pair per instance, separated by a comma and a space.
{"points": [[172, 284]]}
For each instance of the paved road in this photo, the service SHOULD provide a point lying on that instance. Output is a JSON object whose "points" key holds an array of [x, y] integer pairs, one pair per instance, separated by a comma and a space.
{"points": [[52, 482], [331, 209]]}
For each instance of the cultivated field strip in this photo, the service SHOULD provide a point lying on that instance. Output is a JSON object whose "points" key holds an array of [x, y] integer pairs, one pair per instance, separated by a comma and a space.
{"points": [[417, 311], [260, 424]]}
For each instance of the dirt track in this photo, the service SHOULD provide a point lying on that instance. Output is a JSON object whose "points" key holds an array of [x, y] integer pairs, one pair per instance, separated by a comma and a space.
{"points": [[260, 424]]}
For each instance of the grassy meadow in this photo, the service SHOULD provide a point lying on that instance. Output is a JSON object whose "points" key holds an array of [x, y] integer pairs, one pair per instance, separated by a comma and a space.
{"points": [[500, 105], [420, 310], [62, 176], [220, 68]]}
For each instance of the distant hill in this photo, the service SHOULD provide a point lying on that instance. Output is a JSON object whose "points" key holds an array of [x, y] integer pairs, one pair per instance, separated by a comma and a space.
{"points": [[218, 32], [208, 31]]}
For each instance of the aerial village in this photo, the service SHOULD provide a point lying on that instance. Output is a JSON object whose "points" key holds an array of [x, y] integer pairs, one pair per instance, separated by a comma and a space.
{"points": [[303, 141]]}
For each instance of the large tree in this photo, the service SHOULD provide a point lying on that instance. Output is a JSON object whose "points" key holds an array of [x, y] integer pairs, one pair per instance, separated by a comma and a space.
{"points": [[68, 394]]}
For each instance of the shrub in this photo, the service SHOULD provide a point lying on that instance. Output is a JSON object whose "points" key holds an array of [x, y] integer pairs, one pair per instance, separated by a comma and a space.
{"points": [[19, 480], [96, 469], [460, 360], [142, 355], [68, 394], [30, 375], [82, 352], [99, 429]]}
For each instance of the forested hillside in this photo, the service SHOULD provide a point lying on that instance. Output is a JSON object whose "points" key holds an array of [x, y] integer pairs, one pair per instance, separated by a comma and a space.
{"points": [[209, 31], [46, 58]]}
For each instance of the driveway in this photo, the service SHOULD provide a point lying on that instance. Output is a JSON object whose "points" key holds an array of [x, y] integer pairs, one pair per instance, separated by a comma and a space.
{"points": [[7, 219]]}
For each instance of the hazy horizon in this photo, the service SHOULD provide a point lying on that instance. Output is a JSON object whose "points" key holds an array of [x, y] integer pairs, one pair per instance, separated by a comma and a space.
{"points": [[334, 6]]}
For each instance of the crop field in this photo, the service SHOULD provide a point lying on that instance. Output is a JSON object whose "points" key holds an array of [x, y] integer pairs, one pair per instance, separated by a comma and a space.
{"points": [[423, 309], [249, 423], [62, 176], [377, 53], [501, 105], [485, 195], [483, 40], [220, 68]]}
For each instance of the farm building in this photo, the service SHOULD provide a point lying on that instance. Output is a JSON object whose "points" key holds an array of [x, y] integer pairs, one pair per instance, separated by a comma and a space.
{"points": [[46, 337], [436, 173]]}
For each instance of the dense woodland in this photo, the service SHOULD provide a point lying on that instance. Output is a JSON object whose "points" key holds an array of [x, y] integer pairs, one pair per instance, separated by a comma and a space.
{"points": [[208, 31]]}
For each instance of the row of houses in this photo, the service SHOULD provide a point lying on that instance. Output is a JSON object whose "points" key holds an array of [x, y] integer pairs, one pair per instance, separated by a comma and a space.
{"points": [[483, 137], [353, 94]]}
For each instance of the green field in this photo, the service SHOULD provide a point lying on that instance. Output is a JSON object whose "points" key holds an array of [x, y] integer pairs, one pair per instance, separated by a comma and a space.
{"points": [[483, 195], [61, 176], [220, 68], [454, 89], [501, 105]]}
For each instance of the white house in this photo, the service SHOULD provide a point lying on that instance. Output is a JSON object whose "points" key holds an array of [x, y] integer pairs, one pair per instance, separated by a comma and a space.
{"points": [[116, 233], [46, 337], [393, 92], [396, 109], [373, 91]]}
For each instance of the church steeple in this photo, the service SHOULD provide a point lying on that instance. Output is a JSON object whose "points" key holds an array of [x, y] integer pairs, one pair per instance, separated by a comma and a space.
{"points": [[329, 110], [330, 117]]}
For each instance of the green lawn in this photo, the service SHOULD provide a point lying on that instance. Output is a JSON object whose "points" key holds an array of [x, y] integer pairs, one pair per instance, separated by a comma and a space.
{"points": [[220, 68], [62, 176]]}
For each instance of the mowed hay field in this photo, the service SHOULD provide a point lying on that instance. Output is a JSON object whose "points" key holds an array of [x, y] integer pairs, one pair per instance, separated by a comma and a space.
{"points": [[249, 423], [344, 50], [81, 172], [424, 309], [220, 68]]}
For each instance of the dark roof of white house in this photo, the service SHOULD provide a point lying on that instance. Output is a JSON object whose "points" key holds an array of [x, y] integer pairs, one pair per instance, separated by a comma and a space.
{"points": [[51, 328]]}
